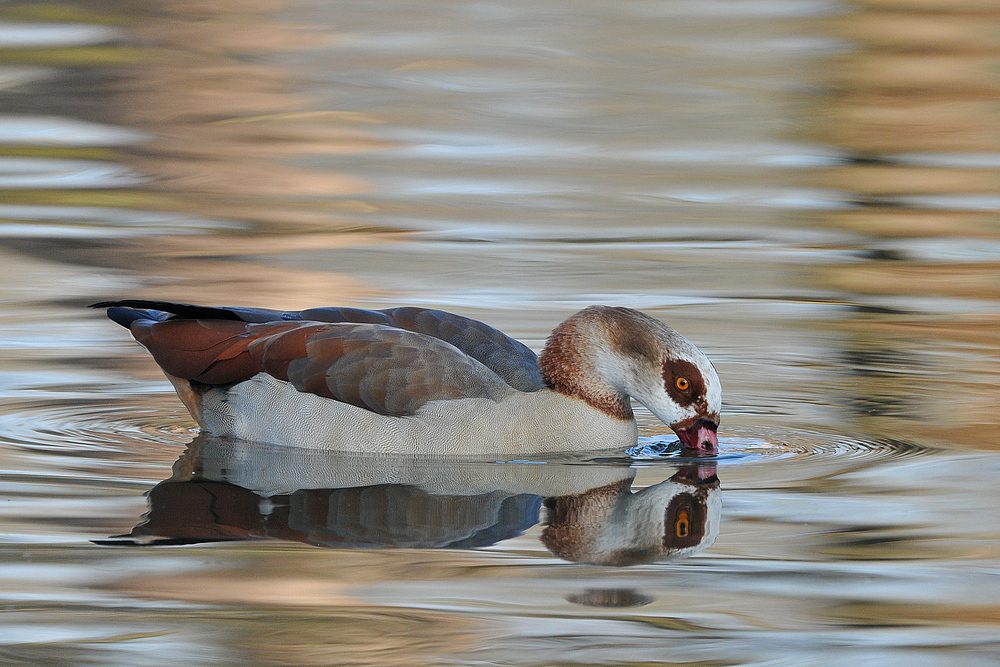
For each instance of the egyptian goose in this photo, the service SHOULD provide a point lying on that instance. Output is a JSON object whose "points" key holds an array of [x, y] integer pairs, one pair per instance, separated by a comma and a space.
{"points": [[421, 381]]}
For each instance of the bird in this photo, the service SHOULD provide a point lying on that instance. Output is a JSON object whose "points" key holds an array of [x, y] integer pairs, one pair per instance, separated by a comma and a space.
{"points": [[413, 380]]}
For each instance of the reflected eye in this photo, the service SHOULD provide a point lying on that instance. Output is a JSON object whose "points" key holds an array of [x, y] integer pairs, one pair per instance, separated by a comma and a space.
{"points": [[682, 384], [682, 526]]}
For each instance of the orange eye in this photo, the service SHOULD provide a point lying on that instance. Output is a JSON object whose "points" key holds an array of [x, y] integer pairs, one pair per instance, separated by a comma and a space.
{"points": [[682, 384], [681, 526]]}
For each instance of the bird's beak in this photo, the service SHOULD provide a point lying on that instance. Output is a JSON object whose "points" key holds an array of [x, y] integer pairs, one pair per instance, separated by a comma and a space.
{"points": [[699, 438]]}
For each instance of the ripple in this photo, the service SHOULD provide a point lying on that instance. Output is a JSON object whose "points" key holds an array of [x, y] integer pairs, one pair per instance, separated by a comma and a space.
{"points": [[948, 202], [56, 131], [45, 173], [805, 445], [824, 445], [456, 146], [773, 198], [86, 428], [99, 429], [54, 35], [24, 220]]}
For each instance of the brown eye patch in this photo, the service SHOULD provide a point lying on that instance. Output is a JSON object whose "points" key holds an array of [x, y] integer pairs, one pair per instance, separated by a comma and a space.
{"points": [[684, 522], [683, 381]]}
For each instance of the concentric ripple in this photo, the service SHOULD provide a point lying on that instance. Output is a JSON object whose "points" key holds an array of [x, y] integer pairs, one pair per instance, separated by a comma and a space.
{"points": [[158, 427], [98, 429], [809, 446]]}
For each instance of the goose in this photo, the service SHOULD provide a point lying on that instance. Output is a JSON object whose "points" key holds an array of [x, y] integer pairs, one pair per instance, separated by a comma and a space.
{"points": [[422, 381]]}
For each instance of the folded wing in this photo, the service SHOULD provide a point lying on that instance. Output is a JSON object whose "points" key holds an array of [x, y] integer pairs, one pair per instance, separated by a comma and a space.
{"points": [[383, 369], [510, 359]]}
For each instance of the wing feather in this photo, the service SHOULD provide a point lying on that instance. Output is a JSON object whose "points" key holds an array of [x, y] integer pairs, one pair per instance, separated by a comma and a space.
{"points": [[186, 348], [384, 369], [190, 311], [514, 362], [391, 362], [510, 359]]}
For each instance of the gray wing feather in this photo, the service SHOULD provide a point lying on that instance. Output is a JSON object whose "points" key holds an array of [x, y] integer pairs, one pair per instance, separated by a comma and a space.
{"points": [[383, 369], [510, 359]]}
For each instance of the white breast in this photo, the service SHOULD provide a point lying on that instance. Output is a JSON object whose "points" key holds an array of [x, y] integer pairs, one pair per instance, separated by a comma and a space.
{"points": [[264, 409]]}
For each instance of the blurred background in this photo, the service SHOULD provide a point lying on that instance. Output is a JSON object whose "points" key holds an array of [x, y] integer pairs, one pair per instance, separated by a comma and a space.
{"points": [[809, 190]]}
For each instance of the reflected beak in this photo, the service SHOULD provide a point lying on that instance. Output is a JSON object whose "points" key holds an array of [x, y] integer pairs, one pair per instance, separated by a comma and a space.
{"points": [[699, 474], [699, 439]]}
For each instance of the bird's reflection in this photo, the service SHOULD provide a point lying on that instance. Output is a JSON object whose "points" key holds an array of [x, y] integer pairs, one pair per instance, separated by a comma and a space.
{"points": [[231, 490]]}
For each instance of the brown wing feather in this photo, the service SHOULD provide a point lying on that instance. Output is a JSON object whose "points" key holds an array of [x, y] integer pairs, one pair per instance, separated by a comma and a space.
{"points": [[282, 347], [208, 351], [381, 368], [511, 360], [514, 362]]}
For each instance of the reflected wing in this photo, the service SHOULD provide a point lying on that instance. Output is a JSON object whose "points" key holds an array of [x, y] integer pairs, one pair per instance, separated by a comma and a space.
{"points": [[511, 360], [384, 369]]}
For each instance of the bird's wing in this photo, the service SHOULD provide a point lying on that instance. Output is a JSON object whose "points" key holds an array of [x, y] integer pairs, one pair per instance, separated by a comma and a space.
{"points": [[383, 369], [129, 309], [508, 358], [513, 361]]}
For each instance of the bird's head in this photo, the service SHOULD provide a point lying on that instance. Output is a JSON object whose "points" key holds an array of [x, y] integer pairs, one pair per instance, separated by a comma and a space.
{"points": [[606, 354]]}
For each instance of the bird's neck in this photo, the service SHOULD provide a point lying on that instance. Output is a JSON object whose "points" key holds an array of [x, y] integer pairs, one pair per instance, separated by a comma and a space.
{"points": [[572, 364]]}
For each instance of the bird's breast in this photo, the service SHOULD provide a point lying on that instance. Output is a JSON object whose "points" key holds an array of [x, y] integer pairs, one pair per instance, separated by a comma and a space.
{"points": [[264, 409]]}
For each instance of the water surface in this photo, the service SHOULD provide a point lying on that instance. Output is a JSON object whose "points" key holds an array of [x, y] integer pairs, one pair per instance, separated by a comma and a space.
{"points": [[807, 190]]}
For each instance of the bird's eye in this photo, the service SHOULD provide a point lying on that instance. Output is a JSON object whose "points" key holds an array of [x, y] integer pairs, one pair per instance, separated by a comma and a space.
{"points": [[682, 526], [682, 384]]}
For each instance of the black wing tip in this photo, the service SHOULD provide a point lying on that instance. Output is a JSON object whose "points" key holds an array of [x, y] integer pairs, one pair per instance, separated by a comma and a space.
{"points": [[127, 311], [151, 308], [126, 316], [150, 304]]}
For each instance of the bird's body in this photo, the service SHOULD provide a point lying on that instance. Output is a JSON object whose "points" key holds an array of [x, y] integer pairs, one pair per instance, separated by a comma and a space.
{"points": [[264, 409], [421, 381]]}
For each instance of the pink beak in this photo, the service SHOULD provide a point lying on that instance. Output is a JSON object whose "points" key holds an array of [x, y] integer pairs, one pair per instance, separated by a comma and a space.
{"points": [[699, 439]]}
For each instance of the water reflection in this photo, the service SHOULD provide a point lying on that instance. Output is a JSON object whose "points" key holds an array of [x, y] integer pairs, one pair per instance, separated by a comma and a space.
{"points": [[609, 597], [810, 188], [226, 490]]}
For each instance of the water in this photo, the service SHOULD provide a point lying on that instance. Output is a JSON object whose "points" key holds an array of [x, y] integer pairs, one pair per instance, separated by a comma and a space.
{"points": [[807, 190]]}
